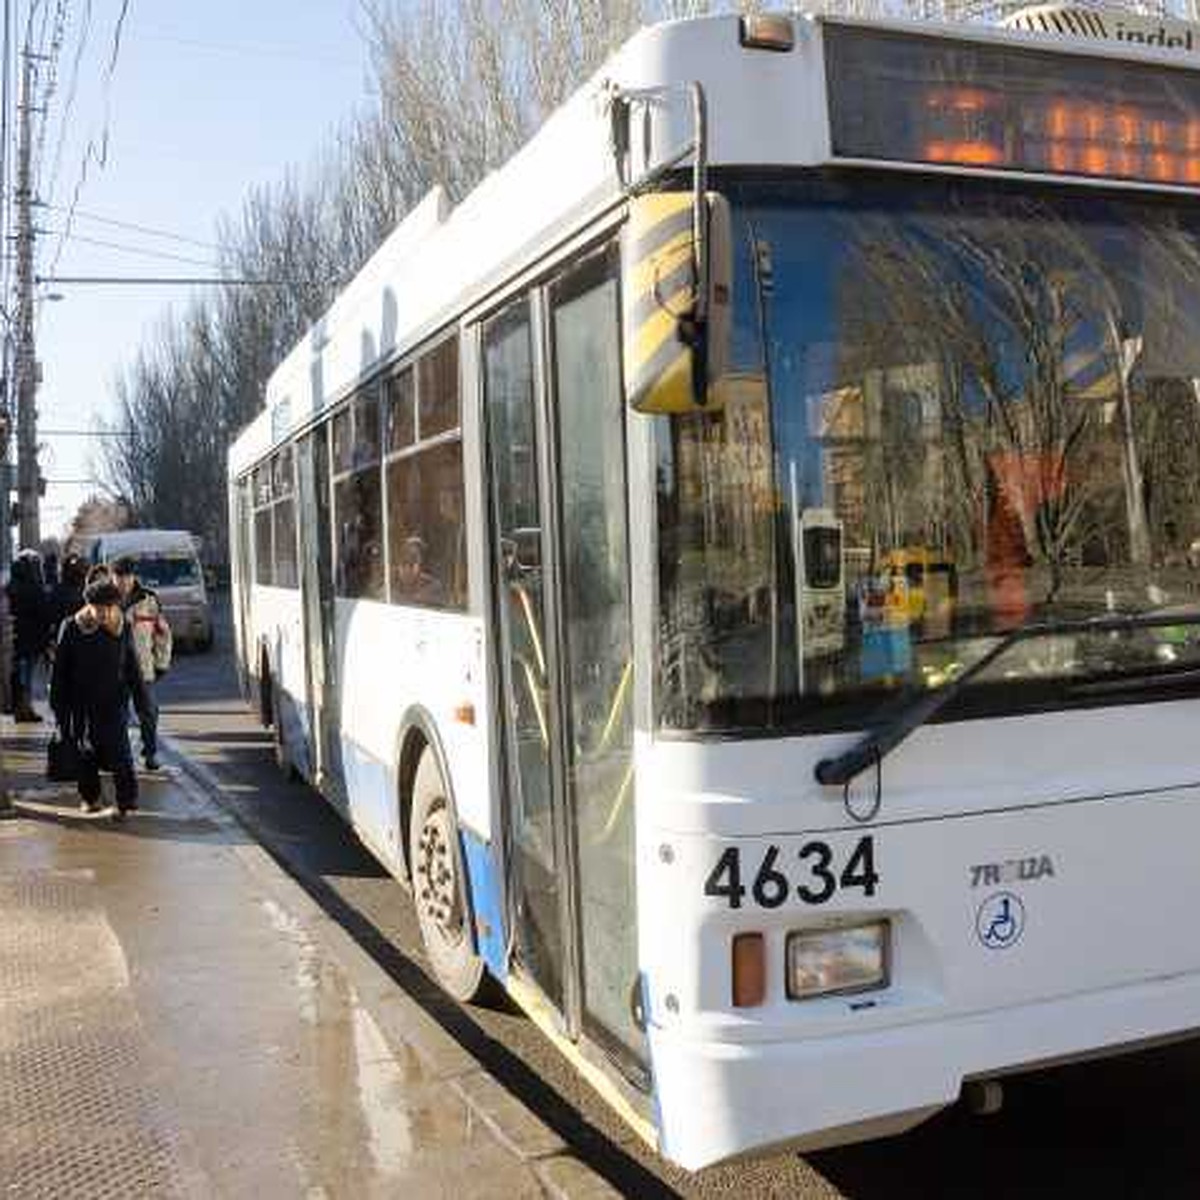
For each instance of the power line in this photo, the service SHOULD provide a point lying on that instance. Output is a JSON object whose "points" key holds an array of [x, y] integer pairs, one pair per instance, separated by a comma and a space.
{"points": [[168, 280], [72, 88], [147, 229], [98, 433], [91, 153], [146, 253]]}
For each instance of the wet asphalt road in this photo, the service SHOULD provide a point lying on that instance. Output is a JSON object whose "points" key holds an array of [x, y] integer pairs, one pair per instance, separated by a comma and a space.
{"points": [[1119, 1127]]}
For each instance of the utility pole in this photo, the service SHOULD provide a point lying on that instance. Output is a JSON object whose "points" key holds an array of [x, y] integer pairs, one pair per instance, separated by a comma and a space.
{"points": [[25, 365], [6, 646]]}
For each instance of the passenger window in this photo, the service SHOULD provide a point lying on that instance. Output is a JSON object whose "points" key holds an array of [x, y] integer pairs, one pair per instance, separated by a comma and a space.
{"points": [[343, 441], [426, 531], [366, 426], [357, 513], [357, 500], [400, 399], [427, 539], [438, 390]]}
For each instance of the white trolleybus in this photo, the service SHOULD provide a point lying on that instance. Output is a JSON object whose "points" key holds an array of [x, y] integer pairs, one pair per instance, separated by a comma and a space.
{"points": [[739, 565]]}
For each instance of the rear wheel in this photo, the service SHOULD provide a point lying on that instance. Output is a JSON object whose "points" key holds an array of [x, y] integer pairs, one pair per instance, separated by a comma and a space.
{"points": [[283, 757], [439, 889]]}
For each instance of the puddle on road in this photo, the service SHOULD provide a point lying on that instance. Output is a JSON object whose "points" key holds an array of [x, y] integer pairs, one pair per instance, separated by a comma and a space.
{"points": [[379, 1099]]}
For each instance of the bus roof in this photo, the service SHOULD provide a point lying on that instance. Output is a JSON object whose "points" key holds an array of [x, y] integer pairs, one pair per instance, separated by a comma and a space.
{"points": [[441, 260]]}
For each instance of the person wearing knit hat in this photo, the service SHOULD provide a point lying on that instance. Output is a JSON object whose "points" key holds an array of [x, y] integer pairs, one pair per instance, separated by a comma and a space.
{"points": [[96, 675]]}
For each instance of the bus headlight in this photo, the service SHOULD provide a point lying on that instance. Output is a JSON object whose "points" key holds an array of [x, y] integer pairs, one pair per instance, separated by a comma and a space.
{"points": [[824, 962]]}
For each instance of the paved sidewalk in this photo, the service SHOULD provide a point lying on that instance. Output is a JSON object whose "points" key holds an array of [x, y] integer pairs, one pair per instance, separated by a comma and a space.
{"points": [[169, 1026]]}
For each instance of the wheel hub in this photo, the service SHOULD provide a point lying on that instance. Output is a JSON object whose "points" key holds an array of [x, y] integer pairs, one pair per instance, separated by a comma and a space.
{"points": [[437, 886]]}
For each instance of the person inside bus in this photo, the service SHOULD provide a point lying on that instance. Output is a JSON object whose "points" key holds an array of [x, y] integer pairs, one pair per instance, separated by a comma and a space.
{"points": [[152, 643], [414, 584], [96, 674]]}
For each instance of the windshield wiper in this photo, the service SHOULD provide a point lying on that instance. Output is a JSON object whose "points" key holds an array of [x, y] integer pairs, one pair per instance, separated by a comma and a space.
{"points": [[870, 749]]}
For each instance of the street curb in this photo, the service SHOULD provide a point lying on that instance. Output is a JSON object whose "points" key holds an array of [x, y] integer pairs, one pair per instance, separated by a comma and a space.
{"points": [[403, 1022]]}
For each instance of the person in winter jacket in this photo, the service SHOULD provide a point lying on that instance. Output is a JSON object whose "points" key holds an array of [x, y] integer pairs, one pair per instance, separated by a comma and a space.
{"points": [[151, 643], [28, 607], [96, 674], [66, 598]]}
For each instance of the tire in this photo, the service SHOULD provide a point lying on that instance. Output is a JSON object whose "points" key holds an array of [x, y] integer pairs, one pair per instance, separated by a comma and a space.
{"points": [[439, 891], [283, 760]]}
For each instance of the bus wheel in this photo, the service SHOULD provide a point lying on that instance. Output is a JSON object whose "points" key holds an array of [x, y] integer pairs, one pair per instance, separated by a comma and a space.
{"points": [[283, 758], [438, 886]]}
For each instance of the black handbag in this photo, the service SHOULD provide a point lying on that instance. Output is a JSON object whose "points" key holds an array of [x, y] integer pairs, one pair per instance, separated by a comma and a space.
{"points": [[62, 759]]}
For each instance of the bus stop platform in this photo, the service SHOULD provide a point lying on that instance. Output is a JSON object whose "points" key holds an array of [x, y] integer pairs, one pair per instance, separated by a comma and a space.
{"points": [[174, 1022]]}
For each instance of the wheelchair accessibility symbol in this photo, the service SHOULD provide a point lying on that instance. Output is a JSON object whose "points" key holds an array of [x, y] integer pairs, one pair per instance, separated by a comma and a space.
{"points": [[1000, 921]]}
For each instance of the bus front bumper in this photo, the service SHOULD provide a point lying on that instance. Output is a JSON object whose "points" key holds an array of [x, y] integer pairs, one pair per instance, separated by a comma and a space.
{"points": [[722, 1099]]}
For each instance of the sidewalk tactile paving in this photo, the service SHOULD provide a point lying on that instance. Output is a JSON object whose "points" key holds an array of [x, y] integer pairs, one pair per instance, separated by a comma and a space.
{"points": [[78, 1115]]}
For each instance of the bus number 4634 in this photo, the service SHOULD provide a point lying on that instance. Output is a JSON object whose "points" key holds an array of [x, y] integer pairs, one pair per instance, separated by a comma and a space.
{"points": [[815, 876]]}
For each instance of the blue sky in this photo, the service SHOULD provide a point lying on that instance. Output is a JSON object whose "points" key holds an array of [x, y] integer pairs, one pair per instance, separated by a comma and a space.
{"points": [[206, 101]]}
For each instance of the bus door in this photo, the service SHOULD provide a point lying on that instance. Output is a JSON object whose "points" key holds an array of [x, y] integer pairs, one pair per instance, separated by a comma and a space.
{"points": [[555, 423], [316, 584], [240, 529]]}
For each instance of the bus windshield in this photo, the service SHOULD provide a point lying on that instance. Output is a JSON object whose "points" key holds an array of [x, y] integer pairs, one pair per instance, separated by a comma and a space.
{"points": [[954, 408]]}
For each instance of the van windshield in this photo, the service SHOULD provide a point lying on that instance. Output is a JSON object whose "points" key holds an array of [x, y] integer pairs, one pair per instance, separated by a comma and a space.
{"points": [[167, 570], [955, 408]]}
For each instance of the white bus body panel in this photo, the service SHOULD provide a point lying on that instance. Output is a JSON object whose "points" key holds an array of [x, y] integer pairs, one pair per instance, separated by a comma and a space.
{"points": [[392, 660], [1110, 799], [277, 631]]}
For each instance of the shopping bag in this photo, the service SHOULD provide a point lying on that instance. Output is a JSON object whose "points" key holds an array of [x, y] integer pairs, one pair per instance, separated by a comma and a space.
{"points": [[62, 759]]}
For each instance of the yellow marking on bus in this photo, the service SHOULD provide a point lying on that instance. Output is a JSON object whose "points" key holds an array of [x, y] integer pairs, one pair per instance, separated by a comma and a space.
{"points": [[618, 805], [656, 330], [617, 704], [545, 1018], [646, 273], [527, 609], [535, 695]]}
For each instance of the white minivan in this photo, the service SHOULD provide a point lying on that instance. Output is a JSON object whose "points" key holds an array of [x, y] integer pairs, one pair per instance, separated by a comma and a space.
{"points": [[167, 563]]}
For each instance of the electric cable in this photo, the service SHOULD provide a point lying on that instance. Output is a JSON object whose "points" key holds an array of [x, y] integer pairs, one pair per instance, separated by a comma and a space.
{"points": [[145, 252], [130, 225], [92, 153], [69, 104]]}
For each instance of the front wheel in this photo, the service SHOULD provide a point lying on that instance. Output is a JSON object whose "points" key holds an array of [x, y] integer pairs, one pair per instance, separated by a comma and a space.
{"points": [[439, 889]]}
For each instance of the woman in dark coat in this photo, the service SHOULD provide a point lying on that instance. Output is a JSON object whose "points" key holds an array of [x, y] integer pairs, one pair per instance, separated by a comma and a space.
{"points": [[66, 598], [96, 674], [28, 606]]}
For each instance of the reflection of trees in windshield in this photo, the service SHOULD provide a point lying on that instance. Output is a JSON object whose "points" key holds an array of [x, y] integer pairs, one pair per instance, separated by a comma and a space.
{"points": [[161, 571], [995, 395]]}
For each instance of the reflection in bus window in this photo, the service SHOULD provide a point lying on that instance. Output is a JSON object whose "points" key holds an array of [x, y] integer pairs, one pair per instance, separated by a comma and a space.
{"points": [[993, 395], [366, 425], [358, 525], [399, 399], [427, 542], [437, 390]]}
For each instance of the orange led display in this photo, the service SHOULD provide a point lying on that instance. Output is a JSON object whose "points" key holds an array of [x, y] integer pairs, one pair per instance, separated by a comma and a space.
{"points": [[911, 98], [1066, 137]]}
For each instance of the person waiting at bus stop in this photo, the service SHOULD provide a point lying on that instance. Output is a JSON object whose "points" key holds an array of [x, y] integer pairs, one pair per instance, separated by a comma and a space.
{"points": [[29, 608], [96, 674], [152, 644]]}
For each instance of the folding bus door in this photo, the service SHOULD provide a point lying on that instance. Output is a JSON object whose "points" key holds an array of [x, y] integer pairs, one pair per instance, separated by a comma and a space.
{"points": [[555, 426], [316, 583]]}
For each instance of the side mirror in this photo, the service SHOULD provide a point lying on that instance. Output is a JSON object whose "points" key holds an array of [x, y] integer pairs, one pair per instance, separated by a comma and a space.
{"points": [[677, 297]]}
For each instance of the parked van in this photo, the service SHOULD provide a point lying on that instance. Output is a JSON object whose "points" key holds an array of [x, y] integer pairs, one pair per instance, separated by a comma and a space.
{"points": [[166, 562]]}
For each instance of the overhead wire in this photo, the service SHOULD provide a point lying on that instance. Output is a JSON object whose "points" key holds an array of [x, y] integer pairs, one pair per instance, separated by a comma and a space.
{"points": [[85, 29], [48, 52], [130, 225], [145, 251], [94, 152]]}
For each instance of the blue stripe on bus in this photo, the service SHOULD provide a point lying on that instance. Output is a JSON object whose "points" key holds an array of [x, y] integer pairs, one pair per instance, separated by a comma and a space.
{"points": [[483, 879]]}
